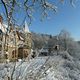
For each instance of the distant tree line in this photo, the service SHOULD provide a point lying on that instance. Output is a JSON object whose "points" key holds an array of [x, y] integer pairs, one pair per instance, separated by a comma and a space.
{"points": [[63, 39]]}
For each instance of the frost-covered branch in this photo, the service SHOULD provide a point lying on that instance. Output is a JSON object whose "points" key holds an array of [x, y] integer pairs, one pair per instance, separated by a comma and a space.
{"points": [[29, 7]]}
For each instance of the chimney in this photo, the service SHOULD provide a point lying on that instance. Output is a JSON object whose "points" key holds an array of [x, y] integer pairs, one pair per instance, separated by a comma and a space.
{"points": [[1, 19]]}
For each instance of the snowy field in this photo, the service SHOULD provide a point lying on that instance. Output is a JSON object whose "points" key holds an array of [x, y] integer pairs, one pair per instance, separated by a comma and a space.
{"points": [[57, 67]]}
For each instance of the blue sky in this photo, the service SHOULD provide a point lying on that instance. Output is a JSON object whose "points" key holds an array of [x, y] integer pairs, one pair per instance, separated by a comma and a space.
{"points": [[67, 18]]}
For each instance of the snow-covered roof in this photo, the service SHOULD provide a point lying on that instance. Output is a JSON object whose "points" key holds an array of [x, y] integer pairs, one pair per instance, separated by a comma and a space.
{"points": [[44, 50], [3, 27], [20, 43]]}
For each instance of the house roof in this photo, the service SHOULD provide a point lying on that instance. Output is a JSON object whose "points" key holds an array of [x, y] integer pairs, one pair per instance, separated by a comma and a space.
{"points": [[21, 35], [3, 27], [44, 50]]}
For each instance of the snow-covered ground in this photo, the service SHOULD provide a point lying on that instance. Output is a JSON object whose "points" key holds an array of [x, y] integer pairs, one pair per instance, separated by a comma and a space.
{"points": [[57, 67]]}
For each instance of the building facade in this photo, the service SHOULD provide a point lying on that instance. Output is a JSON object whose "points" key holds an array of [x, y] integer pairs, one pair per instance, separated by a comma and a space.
{"points": [[15, 44]]}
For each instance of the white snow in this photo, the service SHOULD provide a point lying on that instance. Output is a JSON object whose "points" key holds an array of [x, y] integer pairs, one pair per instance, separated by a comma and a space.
{"points": [[43, 68]]}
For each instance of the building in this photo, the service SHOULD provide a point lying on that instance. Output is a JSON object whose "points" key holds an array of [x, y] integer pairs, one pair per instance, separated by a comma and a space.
{"points": [[15, 44]]}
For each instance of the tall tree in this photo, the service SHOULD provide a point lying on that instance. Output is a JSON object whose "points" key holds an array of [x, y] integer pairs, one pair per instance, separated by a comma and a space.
{"points": [[64, 38]]}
